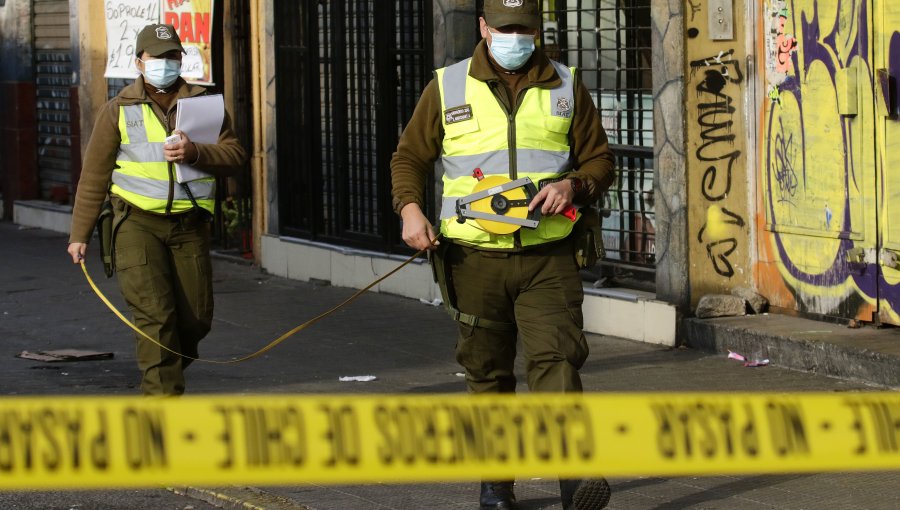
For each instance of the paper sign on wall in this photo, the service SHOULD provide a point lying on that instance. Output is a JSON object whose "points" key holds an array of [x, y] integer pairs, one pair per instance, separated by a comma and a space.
{"points": [[124, 19], [192, 20]]}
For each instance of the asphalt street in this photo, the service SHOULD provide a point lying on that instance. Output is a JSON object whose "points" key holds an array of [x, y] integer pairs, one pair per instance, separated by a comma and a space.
{"points": [[407, 345]]}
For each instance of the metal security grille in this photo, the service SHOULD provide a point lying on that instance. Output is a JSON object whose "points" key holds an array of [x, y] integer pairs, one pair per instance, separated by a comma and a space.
{"points": [[609, 41], [347, 75], [53, 65]]}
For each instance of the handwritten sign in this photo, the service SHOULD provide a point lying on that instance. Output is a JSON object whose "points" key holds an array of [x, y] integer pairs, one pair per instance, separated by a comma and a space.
{"points": [[192, 20], [124, 19]]}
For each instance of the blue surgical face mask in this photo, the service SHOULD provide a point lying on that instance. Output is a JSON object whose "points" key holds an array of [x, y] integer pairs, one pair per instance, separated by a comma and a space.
{"points": [[511, 50], [161, 72]]}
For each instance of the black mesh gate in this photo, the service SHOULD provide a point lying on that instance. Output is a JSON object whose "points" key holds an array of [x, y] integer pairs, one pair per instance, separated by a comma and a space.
{"points": [[609, 41], [348, 74]]}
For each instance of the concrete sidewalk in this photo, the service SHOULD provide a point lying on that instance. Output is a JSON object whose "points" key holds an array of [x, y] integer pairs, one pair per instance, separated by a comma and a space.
{"points": [[408, 345]]}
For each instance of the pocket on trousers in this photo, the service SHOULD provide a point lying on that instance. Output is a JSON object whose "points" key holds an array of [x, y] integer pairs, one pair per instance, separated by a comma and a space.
{"points": [[128, 257]]}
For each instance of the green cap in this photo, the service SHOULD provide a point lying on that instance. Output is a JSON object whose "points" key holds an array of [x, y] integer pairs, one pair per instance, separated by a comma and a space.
{"points": [[156, 40], [500, 13]]}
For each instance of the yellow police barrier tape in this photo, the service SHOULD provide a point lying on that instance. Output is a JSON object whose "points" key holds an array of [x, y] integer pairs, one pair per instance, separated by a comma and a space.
{"points": [[97, 442]]}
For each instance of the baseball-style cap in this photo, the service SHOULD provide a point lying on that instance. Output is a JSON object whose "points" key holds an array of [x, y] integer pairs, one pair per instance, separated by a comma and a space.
{"points": [[500, 13], [156, 40]]}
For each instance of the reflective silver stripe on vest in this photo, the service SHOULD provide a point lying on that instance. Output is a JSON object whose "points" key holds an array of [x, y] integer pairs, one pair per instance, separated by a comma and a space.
{"points": [[455, 84], [159, 190], [134, 123], [497, 162], [562, 98], [144, 152], [139, 149]]}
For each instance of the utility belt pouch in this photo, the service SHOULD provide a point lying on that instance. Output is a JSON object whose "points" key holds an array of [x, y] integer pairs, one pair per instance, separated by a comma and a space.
{"points": [[439, 272], [438, 259], [105, 235], [588, 239]]}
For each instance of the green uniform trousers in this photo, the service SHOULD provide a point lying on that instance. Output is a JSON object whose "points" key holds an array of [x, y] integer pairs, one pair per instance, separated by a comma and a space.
{"points": [[540, 291], [165, 275]]}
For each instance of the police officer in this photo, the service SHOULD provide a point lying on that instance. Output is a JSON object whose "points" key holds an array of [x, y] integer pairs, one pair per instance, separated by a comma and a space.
{"points": [[509, 111], [161, 227]]}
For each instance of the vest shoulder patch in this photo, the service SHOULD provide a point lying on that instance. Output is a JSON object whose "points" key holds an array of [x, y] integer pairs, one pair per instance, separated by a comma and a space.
{"points": [[458, 114]]}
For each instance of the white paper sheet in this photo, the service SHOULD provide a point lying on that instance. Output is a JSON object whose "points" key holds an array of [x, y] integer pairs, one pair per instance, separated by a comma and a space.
{"points": [[200, 118]]}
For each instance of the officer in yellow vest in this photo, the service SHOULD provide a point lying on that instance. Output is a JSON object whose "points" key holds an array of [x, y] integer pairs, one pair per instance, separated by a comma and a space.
{"points": [[161, 227], [509, 111]]}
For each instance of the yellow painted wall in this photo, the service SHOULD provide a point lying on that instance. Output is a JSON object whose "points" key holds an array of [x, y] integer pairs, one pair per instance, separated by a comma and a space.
{"points": [[822, 181], [716, 163]]}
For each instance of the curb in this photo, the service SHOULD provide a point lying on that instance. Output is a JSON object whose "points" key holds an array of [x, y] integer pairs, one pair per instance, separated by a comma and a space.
{"points": [[867, 355], [239, 498]]}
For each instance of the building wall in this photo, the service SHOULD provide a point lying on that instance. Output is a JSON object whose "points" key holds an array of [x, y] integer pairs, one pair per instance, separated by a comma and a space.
{"points": [[716, 88], [89, 46], [828, 181], [18, 129], [670, 180]]}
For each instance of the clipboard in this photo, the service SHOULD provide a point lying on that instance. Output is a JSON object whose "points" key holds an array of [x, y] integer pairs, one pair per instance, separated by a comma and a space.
{"points": [[200, 118]]}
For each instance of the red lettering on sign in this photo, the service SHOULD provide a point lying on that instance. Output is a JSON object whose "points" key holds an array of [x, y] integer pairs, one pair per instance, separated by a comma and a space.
{"points": [[201, 29], [172, 19], [194, 30]]}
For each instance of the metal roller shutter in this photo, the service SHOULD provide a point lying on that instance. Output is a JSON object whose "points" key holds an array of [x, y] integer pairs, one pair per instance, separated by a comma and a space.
{"points": [[53, 66]]}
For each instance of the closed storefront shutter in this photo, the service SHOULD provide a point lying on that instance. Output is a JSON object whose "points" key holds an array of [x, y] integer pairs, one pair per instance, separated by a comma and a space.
{"points": [[53, 66]]}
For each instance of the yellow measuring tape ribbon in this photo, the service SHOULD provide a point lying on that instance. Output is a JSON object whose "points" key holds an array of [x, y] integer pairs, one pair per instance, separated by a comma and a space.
{"points": [[213, 440], [271, 344]]}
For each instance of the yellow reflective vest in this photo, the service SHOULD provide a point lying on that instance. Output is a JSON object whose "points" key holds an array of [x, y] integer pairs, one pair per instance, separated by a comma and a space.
{"points": [[479, 133], [142, 176]]}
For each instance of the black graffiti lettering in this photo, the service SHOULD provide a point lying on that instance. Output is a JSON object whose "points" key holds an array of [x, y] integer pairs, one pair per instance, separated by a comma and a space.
{"points": [[342, 435], [715, 117], [785, 175], [787, 430], [145, 445], [719, 259], [723, 63]]}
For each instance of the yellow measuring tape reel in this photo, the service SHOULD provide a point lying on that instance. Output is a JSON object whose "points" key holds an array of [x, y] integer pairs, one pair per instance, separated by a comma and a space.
{"points": [[97, 442]]}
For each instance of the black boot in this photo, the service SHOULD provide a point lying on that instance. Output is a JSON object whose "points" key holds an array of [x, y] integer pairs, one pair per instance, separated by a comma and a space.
{"points": [[590, 494], [497, 496]]}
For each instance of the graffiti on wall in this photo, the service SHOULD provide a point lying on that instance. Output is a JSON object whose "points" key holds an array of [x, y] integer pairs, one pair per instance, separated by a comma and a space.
{"points": [[818, 183], [718, 78], [780, 45]]}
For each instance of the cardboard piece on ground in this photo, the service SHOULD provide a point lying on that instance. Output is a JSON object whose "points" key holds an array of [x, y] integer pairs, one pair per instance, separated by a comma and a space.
{"points": [[64, 355]]}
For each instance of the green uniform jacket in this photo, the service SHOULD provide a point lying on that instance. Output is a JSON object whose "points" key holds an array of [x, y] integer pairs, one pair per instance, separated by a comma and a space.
{"points": [[421, 142], [222, 159]]}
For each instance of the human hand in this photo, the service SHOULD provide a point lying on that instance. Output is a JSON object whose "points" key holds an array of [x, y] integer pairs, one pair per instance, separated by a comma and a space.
{"points": [[182, 150], [77, 251], [417, 230], [553, 198]]}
